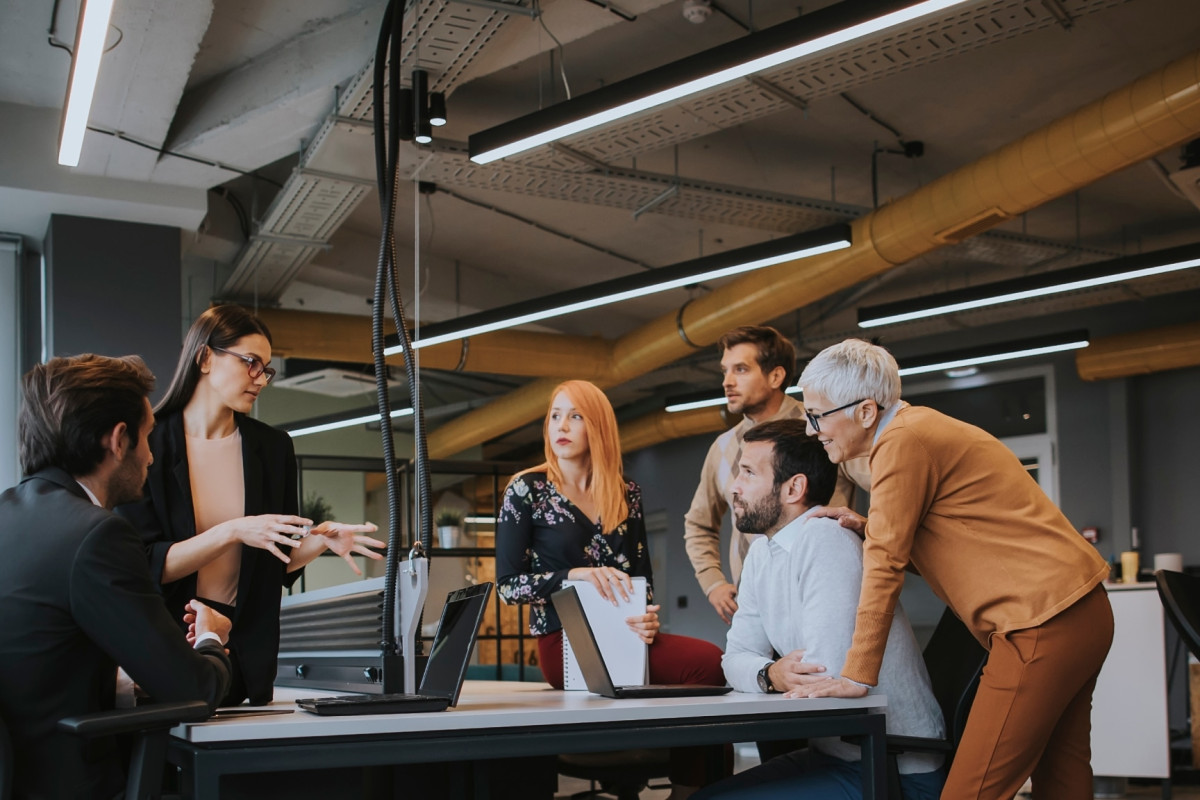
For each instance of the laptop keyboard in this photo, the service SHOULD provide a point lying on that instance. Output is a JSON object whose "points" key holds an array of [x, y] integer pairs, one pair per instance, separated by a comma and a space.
{"points": [[343, 705]]}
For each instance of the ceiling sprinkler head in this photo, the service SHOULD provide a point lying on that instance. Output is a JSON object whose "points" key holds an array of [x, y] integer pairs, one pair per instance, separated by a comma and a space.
{"points": [[697, 11]]}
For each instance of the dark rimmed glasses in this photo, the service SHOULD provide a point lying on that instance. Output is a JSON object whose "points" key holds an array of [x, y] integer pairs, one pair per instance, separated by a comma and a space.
{"points": [[813, 418], [253, 365]]}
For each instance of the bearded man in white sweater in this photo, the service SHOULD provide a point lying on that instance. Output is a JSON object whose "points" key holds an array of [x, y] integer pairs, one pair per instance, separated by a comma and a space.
{"points": [[798, 599]]}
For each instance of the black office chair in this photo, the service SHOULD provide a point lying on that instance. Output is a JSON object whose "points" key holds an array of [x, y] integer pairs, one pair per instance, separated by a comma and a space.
{"points": [[1180, 596], [150, 725], [623, 773], [955, 661]]}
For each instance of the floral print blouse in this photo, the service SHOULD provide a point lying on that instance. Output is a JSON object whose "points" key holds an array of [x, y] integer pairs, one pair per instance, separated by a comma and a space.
{"points": [[541, 536]]}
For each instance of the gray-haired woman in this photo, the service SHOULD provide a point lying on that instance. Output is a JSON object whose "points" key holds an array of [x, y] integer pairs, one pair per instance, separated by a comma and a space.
{"points": [[956, 504]]}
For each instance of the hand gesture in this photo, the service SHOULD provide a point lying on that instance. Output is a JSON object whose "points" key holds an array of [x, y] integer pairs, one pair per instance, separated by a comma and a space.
{"points": [[345, 540], [201, 619], [268, 531], [792, 672], [830, 687], [845, 517], [609, 581], [724, 600], [645, 626]]}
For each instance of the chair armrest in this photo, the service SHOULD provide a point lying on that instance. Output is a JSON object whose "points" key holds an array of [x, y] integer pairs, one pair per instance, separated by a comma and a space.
{"points": [[130, 720], [917, 744]]}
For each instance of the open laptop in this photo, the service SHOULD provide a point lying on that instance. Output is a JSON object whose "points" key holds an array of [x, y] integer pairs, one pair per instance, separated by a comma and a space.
{"points": [[591, 660], [444, 672]]}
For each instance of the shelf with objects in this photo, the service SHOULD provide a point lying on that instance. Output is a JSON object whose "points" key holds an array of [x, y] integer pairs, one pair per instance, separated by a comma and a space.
{"points": [[465, 499]]}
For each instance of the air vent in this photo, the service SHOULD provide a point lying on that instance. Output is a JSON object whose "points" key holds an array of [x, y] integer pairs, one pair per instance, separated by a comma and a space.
{"points": [[331, 382], [970, 227]]}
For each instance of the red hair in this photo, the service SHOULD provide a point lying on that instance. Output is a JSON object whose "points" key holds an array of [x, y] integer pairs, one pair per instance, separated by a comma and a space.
{"points": [[607, 477]]}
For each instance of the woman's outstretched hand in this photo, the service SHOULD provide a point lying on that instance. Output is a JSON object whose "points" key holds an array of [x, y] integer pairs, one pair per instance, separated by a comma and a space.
{"points": [[268, 531], [346, 540]]}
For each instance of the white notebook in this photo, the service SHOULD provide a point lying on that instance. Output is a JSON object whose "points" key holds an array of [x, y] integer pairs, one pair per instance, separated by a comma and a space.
{"points": [[624, 652]]}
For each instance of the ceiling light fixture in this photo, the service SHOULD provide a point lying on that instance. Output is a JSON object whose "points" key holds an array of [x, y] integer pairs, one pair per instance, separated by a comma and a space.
{"points": [[81, 86], [812, 33], [720, 265], [992, 353], [437, 109], [690, 405], [1126, 268], [334, 422]]}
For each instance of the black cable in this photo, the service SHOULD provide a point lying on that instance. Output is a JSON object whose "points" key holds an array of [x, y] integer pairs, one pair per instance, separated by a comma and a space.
{"points": [[383, 181], [387, 164], [208, 162], [238, 209]]}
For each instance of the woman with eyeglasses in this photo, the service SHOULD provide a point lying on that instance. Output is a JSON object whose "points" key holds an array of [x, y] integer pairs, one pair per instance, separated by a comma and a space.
{"points": [[955, 503], [220, 509]]}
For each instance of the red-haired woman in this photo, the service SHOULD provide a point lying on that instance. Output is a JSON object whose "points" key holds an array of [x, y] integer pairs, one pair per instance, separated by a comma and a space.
{"points": [[575, 517]]}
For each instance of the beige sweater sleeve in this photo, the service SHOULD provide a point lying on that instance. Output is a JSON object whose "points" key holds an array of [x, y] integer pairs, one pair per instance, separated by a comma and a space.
{"points": [[702, 524]]}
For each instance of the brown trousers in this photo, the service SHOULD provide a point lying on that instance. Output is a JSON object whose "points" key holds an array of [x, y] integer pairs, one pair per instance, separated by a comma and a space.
{"points": [[1032, 714]]}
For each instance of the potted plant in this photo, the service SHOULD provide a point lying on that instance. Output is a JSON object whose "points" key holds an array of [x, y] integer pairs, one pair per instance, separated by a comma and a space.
{"points": [[449, 527], [316, 508]]}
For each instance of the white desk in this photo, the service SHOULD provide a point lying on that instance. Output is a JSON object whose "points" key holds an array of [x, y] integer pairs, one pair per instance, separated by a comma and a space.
{"points": [[503, 720], [1130, 736]]}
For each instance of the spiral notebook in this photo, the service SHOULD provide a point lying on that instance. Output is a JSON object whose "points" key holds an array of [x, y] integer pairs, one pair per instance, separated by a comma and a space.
{"points": [[623, 651]]}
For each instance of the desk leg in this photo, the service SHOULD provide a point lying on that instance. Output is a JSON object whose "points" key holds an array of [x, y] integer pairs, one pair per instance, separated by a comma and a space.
{"points": [[874, 760], [200, 781]]}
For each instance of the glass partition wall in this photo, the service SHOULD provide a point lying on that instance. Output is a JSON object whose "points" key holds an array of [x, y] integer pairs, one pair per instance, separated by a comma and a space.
{"points": [[465, 503]]}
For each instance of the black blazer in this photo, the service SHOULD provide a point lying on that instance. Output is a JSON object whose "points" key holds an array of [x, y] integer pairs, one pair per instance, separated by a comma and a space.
{"points": [[166, 516], [76, 600]]}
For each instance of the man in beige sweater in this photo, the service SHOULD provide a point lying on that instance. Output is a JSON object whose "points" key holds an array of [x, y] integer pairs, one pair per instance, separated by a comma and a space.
{"points": [[758, 364]]}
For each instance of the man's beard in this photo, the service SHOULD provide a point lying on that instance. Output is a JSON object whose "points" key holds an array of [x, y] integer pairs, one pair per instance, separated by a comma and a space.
{"points": [[759, 517], [127, 484]]}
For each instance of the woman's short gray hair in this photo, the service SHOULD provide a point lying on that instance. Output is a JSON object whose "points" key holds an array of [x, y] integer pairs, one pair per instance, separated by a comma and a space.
{"points": [[853, 370]]}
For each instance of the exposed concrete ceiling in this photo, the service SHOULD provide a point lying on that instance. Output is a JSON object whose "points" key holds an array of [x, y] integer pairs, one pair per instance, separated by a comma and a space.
{"points": [[282, 87]]}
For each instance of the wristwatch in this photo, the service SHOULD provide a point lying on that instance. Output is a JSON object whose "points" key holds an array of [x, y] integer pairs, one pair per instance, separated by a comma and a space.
{"points": [[764, 679]]}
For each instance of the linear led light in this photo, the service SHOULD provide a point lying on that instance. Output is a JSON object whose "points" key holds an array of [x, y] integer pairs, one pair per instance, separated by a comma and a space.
{"points": [[714, 401], [975, 356], [480, 520], [990, 354], [81, 86], [335, 424], [721, 265], [1067, 280], [821, 30]]}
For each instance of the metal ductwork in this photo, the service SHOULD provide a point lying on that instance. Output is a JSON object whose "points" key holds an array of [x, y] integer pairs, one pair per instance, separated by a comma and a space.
{"points": [[1140, 353], [1129, 125]]}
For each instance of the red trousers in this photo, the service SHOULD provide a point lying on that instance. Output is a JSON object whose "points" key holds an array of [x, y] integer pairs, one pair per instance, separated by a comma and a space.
{"points": [[1032, 714], [673, 659]]}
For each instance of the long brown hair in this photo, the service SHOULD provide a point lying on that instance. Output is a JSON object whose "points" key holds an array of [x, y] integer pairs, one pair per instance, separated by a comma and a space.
{"points": [[607, 478], [219, 326]]}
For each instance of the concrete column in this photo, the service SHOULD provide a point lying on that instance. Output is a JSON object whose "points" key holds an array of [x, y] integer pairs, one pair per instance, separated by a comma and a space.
{"points": [[113, 288]]}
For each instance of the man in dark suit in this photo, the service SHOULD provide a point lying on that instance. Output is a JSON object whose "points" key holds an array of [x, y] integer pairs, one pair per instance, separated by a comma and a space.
{"points": [[76, 595]]}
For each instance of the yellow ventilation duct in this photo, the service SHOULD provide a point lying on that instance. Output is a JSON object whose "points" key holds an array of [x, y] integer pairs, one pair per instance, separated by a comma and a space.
{"points": [[661, 426], [1140, 353], [1129, 125], [346, 337]]}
